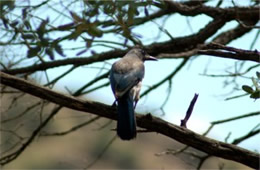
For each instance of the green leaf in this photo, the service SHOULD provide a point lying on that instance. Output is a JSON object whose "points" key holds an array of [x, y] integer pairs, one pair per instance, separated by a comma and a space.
{"points": [[5, 21], [109, 8], [248, 89], [131, 14], [255, 95], [27, 24], [42, 27], [258, 75], [81, 52], [146, 11], [27, 36], [94, 31], [14, 24], [59, 50], [33, 51], [10, 4], [24, 13], [75, 17], [49, 52]]}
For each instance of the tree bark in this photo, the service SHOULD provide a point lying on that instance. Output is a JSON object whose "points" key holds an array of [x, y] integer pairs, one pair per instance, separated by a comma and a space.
{"points": [[183, 135]]}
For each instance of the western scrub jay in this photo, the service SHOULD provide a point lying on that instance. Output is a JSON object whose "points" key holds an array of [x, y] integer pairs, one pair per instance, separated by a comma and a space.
{"points": [[126, 78]]}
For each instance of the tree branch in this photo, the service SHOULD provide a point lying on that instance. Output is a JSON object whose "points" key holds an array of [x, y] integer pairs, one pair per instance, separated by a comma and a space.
{"points": [[167, 78], [231, 52], [189, 111], [244, 56], [241, 13], [232, 34], [185, 136], [177, 45], [236, 118], [242, 138], [72, 129], [69, 61]]}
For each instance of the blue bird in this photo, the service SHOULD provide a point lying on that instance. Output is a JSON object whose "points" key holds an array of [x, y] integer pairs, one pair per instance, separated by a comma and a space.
{"points": [[126, 79]]}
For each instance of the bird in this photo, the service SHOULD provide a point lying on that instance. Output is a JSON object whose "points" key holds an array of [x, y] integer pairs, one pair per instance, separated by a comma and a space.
{"points": [[126, 77]]}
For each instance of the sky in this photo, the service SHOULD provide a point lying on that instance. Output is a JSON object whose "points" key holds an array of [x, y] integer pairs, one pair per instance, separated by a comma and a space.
{"points": [[211, 104]]}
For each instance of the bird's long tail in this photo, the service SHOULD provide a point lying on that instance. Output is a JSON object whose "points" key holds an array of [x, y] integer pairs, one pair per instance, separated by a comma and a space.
{"points": [[126, 125]]}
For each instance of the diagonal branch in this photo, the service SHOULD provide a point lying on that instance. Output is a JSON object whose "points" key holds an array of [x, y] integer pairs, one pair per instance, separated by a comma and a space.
{"points": [[70, 61], [189, 111], [167, 78], [175, 45], [185, 136], [241, 13], [74, 128], [242, 138], [243, 56], [236, 118], [216, 49]]}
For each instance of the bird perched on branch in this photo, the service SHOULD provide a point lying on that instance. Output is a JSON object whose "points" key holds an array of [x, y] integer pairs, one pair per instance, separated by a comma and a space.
{"points": [[126, 78]]}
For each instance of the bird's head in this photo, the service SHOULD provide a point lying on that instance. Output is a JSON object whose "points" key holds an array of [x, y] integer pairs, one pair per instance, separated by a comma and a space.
{"points": [[142, 54]]}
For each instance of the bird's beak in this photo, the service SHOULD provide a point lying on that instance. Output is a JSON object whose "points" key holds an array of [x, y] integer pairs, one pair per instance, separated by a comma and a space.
{"points": [[148, 57]]}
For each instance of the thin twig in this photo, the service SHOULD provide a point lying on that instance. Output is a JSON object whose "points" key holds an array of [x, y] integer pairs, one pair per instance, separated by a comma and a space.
{"points": [[246, 136], [72, 129], [170, 76], [236, 118], [101, 153], [189, 111]]}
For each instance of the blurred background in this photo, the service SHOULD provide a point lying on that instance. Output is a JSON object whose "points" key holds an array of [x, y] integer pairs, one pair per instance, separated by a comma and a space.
{"points": [[36, 32]]}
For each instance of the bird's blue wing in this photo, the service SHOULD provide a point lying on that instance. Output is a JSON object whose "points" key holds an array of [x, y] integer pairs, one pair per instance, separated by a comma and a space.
{"points": [[124, 76]]}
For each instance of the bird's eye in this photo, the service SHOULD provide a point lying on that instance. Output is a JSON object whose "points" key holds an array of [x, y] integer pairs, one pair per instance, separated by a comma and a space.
{"points": [[143, 52]]}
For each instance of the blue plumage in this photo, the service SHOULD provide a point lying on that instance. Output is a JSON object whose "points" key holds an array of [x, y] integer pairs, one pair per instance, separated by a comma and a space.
{"points": [[126, 126], [125, 78]]}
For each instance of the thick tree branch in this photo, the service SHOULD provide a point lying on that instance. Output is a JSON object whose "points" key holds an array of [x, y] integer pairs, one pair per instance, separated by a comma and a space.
{"points": [[244, 56], [189, 8], [250, 15], [232, 34], [216, 49], [176, 45], [149, 122], [223, 38], [240, 13], [70, 61]]}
